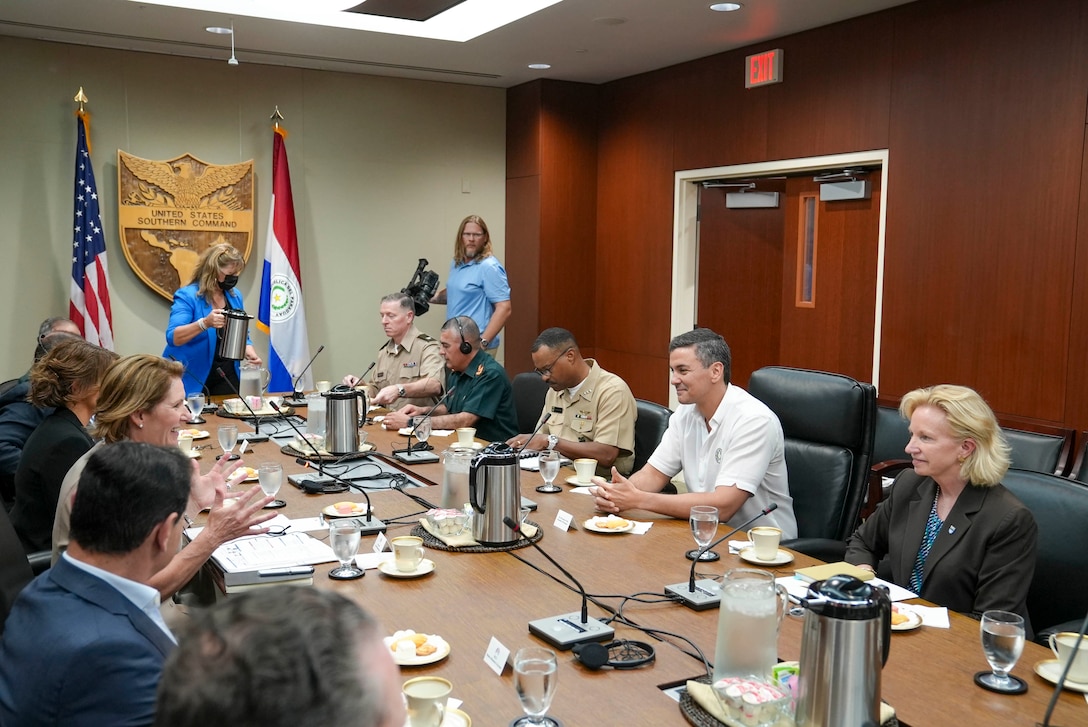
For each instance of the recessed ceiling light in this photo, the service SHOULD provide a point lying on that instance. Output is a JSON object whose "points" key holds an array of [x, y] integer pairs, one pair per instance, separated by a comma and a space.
{"points": [[726, 7], [540, 66], [219, 30]]}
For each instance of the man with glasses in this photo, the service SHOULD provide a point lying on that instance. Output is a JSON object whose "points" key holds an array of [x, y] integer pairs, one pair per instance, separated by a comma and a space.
{"points": [[728, 444], [477, 285], [592, 411], [479, 392]]}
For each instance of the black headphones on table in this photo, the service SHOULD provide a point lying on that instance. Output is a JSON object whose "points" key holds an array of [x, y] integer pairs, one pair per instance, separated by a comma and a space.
{"points": [[622, 654], [466, 347]]}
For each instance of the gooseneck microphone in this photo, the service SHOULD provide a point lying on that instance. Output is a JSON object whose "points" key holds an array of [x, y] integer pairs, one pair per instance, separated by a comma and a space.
{"points": [[298, 398], [407, 455], [566, 630], [362, 377], [371, 526], [707, 593], [256, 436], [535, 432]]}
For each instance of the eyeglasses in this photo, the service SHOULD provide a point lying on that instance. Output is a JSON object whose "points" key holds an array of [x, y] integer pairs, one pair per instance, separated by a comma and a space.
{"points": [[547, 370], [473, 235]]}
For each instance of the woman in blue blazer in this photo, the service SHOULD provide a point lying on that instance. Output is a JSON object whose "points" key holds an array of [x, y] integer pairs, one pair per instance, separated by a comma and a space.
{"points": [[197, 320]]}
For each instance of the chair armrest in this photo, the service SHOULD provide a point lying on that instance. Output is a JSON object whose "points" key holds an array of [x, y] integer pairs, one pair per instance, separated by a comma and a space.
{"points": [[877, 473], [827, 550], [40, 561]]}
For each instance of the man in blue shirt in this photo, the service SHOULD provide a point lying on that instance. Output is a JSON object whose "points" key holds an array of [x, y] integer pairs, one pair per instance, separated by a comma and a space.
{"points": [[477, 285], [85, 642]]}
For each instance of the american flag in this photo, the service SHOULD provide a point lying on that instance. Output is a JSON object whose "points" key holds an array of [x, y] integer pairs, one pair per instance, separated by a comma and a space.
{"points": [[90, 292]]}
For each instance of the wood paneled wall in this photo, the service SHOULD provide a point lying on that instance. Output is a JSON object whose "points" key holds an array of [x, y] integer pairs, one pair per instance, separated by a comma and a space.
{"points": [[982, 106]]}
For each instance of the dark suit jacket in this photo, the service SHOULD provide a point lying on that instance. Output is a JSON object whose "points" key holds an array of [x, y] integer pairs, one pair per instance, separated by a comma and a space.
{"points": [[48, 455], [76, 652], [983, 557]]}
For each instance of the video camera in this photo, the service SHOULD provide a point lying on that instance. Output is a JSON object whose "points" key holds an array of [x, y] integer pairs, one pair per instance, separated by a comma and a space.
{"points": [[421, 288]]}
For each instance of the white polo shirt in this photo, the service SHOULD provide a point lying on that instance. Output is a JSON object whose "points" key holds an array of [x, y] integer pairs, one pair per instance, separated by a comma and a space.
{"points": [[744, 448]]}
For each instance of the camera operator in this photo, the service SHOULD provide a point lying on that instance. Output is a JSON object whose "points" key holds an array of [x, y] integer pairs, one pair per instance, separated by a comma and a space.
{"points": [[409, 369]]}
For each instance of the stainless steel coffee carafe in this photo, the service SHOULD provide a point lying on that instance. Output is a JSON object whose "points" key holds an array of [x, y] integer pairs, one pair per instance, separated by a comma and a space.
{"points": [[494, 489], [844, 646], [341, 420], [232, 345]]}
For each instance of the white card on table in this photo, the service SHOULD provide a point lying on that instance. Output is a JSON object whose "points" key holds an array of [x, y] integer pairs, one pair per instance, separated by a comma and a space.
{"points": [[563, 520], [380, 543], [496, 656], [242, 449]]}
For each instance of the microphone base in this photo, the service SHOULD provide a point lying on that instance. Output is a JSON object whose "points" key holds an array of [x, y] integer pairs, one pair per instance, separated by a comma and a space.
{"points": [[296, 403], [708, 594], [253, 437], [416, 457], [567, 630], [373, 527], [313, 479]]}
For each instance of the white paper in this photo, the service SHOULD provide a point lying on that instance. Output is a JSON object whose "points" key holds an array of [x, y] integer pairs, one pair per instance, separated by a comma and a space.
{"points": [[370, 561], [496, 656], [735, 546], [308, 524], [272, 551], [896, 593], [935, 616], [563, 519], [798, 588]]}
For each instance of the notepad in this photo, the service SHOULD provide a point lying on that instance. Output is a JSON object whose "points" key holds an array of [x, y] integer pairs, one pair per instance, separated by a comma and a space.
{"points": [[822, 572]]}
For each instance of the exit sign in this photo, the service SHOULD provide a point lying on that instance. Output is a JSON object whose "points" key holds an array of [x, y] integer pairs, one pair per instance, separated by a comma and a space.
{"points": [[763, 68]]}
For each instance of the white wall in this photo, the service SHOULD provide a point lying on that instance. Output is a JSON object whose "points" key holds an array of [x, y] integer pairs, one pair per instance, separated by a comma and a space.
{"points": [[378, 167]]}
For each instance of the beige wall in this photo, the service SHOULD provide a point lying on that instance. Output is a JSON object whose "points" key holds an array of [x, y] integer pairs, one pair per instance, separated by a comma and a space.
{"points": [[383, 170]]}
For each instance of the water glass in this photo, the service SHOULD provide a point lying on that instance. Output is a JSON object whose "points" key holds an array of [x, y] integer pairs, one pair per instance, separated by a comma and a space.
{"points": [[1002, 635], [422, 429], [535, 676], [195, 401], [228, 437], [549, 470], [270, 475], [704, 525], [344, 540]]}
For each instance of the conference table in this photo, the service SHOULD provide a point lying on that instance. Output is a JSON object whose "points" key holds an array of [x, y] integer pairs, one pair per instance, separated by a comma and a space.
{"points": [[471, 598]]}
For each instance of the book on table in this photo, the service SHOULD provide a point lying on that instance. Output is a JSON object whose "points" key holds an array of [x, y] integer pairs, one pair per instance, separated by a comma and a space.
{"points": [[262, 559]]}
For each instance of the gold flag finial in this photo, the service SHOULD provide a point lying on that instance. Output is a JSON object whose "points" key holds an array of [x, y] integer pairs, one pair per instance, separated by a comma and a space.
{"points": [[81, 98]]}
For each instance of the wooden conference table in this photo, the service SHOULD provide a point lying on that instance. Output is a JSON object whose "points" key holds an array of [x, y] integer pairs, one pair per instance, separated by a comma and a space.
{"points": [[472, 597]]}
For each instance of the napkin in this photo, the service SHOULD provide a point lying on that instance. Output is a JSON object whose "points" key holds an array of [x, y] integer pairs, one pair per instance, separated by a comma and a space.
{"points": [[705, 696], [369, 561], [935, 616]]}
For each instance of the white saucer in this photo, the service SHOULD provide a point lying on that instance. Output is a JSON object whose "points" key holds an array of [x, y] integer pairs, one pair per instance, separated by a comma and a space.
{"points": [[472, 445], [389, 568], [783, 557], [193, 454], [573, 480], [1051, 670], [453, 718]]}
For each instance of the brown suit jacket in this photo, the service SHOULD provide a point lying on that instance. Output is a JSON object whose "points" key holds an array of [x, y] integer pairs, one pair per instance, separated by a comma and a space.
{"points": [[983, 557]]}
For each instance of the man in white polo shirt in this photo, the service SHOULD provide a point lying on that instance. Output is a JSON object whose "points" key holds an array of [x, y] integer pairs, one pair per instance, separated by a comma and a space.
{"points": [[728, 444]]}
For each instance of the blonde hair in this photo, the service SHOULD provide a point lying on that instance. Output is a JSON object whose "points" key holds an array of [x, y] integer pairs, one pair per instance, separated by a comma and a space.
{"points": [[135, 383], [969, 417], [67, 371], [459, 243], [210, 263]]}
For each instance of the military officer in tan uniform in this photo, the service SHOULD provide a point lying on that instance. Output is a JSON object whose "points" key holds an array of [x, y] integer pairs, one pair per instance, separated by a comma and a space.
{"points": [[593, 411], [409, 369]]}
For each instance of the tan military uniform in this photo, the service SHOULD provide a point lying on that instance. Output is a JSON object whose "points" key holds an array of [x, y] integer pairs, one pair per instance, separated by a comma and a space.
{"points": [[416, 359], [603, 411]]}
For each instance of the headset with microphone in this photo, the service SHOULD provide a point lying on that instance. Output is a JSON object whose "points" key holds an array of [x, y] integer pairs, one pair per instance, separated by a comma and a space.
{"points": [[465, 347], [621, 654]]}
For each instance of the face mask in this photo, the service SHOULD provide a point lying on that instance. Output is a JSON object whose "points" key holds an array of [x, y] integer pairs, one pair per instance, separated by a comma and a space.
{"points": [[228, 282]]}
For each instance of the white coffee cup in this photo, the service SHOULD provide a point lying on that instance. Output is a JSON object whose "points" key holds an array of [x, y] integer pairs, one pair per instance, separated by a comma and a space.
{"points": [[407, 552], [426, 698], [585, 468], [185, 442], [323, 386], [765, 542], [466, 435], [1065, 647]]}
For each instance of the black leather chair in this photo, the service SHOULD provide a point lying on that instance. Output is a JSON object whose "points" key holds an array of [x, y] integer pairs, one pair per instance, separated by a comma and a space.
{"points": [[15, 571], [1058, 597], [890, 438], [1040, 451], [1080, 467], [653, 420], [828, 421], [529, 393]]}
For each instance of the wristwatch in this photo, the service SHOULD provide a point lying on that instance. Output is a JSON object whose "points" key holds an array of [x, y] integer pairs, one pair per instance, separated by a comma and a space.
{"points": [[484, 343], [552, 441], [400, 391]]}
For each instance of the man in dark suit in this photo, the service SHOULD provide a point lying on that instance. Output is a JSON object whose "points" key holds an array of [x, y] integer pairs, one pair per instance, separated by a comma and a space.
{"points": [[85, 642]]}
